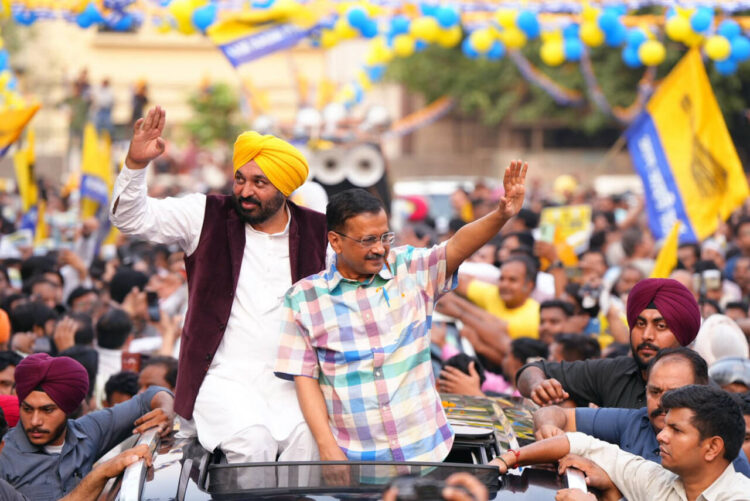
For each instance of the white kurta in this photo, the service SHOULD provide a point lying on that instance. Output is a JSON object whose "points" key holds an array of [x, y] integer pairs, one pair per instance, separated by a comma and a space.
{"points": [[240, 389]]}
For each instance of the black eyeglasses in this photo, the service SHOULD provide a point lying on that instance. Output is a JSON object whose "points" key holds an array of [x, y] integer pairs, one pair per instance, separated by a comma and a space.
{"points": [[371, 240]]}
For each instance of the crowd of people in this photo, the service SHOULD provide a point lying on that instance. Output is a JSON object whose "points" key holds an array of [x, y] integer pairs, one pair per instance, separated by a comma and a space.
{"points": [[273, 332]]}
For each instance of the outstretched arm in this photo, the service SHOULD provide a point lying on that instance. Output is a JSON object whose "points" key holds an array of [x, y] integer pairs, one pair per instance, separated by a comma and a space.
{"points": [[168, 221], [474, 235]]}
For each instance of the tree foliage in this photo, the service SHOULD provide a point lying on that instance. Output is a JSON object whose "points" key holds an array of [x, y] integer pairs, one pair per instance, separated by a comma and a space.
{"points": [[496, 92], [216, 117]]}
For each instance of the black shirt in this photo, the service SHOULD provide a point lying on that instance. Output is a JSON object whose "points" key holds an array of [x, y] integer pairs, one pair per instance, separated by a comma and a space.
{"points": [[606, 382]]}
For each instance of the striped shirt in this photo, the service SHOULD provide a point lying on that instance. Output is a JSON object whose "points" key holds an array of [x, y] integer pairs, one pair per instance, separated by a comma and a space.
{"points": [[368, 344]]}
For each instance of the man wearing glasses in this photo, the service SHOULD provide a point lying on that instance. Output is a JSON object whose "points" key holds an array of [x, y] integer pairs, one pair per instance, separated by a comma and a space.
{"points": [[355, 338]]}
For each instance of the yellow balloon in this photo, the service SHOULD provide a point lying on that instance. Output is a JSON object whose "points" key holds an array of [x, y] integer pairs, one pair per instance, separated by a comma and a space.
{"points": [[678, 28], [693, 39], [651, 52], [378, 53], [328, 39], [481, 40], [552, 53], [514, 38], [718, 48], [182, 11], [506, 17], [591, 34], [590, 14], [343, 29], [450, 37], [403, 45], [164, 26], [2, 44], [425, 28]]}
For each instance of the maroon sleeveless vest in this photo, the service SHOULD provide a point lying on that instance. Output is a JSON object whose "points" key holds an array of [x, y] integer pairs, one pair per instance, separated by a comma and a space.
{"points": [[212, 273]]}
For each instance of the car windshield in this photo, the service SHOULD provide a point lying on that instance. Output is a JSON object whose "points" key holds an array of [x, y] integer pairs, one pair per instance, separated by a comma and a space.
{"points": [[257, 478]]}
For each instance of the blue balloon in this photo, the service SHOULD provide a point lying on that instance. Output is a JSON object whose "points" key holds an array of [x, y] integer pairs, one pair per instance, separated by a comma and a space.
{"points": [[25, 17], [496, 52], [740, 49], [671, 12], [84, 20], [529, 23], [468, 50], [573, 49], [3, 59], [702, 19], [203, 17], [447, 17], [630, 57], [375, 73], [262, 4], [726, 67], [399, 25], [570, 31], [609, 20], [370, 29], [124, 23], [93, 13], [12, 84], [357, 17], [617, 35], [420, 45], [729, 29], [429, 9], [636, 37]]}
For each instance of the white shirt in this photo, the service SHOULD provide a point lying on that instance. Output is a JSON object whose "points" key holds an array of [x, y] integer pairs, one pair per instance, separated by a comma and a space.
{"points": [[640, 479], [110, 362], [240, 389]]}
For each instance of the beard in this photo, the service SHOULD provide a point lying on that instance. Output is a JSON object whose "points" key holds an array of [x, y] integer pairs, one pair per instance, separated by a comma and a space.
{"points": [[52, 436], [262, 212], [643, 364]]}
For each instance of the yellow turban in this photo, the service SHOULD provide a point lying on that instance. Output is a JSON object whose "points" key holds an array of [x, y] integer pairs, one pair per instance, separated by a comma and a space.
{"points": [[282, 163]]}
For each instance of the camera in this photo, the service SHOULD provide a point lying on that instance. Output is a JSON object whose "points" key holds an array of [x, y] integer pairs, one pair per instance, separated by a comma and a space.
{"points": [[153, 306]]}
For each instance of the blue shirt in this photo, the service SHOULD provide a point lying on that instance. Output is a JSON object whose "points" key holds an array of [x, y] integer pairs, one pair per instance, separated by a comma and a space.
{"points": [[632, 431], [41, 476]]}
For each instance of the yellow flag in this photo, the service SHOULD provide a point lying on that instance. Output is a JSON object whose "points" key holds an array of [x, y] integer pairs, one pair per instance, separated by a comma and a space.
{"points": [[96, 172], [683, 151], [12, 123], [666, 261], [42, 232], [25, 177]]}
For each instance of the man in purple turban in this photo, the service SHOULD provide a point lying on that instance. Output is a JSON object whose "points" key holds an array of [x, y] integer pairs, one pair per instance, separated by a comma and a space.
{"points": [[48, 454], [662, 313]]}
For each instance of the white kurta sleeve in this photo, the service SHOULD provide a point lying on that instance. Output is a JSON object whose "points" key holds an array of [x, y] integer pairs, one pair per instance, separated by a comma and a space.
{"points": [[164, 221], [636, 478]]}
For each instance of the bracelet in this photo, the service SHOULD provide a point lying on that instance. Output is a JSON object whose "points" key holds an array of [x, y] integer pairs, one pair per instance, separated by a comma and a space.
{"points": [[507, 468], [516, 453]]}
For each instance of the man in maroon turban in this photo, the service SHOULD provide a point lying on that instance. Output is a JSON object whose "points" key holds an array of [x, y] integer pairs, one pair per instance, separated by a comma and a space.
{"points": [[662, 313], [48, 454]]}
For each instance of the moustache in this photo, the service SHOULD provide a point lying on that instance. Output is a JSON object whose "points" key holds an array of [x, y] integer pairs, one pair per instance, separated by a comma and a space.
{"points": [[657, 412], [251, 200], [374, 257], [647, 345], [36, 430]]}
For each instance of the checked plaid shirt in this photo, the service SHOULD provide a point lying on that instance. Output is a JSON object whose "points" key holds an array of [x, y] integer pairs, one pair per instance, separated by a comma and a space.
{"points": [[368, 344]]}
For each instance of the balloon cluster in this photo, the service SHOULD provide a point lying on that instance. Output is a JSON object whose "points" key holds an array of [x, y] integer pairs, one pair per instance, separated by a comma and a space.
{"points": [[510, 29], [726, 46]]}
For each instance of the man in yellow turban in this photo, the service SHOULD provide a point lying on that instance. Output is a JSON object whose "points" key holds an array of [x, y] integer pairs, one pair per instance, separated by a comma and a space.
{"points": [[242, 252]]}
